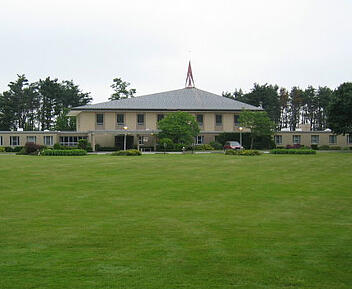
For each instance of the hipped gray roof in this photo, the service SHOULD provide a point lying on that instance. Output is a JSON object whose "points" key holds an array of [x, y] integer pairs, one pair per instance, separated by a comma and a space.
{"points": [[191, 99]]}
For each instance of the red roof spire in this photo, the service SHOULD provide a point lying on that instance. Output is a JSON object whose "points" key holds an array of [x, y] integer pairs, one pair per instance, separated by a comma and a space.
{"points": [[189, 79]]}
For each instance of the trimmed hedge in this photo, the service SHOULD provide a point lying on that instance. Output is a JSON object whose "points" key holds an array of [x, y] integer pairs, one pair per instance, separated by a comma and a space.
{"points": [[127, 153], [243, 152], [75, 152], [293, 151], [203, 147]]}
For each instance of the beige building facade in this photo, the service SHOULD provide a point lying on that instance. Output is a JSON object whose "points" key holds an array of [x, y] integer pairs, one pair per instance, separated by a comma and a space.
{"points": [[133, 123]]}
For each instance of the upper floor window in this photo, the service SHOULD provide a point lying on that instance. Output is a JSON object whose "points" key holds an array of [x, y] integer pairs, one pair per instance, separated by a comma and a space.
{"points": [[296, 139], [236, 118], [315, 139], [100, 119], [278, 139], [14, 140], [200, 119], [48, 140], [218, 119], [31, 138], [200, 139], [120, 119], [332, 139], [140, 119]]}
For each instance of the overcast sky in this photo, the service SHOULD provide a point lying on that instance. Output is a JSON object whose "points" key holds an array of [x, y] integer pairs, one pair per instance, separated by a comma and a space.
{"points": [[147, 43]]}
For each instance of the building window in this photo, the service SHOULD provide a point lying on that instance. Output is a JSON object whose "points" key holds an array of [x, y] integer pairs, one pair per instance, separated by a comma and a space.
{"points": [[236, 118], [332, 139], [200, 119], [218, 119], [349, 139], [14, 140], [1, 143], [100, 119], [278, 139], [315, 139], [160, 117], [296, 139], [140, 119], [31, 138], [200, 139], [120, 119], [70, 140], [48, 140]]}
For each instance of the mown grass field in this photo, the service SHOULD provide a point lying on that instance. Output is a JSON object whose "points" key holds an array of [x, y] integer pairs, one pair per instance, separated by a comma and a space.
{"points": [[176, 221]]}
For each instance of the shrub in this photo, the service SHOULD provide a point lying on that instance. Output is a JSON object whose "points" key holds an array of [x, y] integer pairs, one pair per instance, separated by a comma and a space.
{"points": [[2, 149], [74, 152], [166, 142], [83, 144], [216, 145], [314, 147], [293, 151], [107, 149], [324, 147], [203, 147], [295, 146], [13, 149], [97, 147], [57, 146], [127, 153], [31, 148], [243, 152], [335, 148]]}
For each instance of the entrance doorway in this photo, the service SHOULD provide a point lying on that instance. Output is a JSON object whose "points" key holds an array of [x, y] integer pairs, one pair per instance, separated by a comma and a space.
{"points": [[119, 141]]}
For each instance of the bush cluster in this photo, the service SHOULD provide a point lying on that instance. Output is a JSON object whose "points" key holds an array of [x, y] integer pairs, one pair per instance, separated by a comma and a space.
{"points": [[216, 145], [30, 148], [243, 152], [13, 149], [2, 149], [293, 151], [74, 152], [203, 147], [127, 153]]}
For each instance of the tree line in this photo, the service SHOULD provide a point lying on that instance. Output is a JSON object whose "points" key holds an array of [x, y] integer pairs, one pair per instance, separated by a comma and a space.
{"points": [[289, 108], [41, 105]]}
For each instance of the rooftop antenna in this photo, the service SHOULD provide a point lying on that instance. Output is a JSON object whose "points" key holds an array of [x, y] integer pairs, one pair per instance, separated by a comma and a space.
{"points": [[189, 78]]}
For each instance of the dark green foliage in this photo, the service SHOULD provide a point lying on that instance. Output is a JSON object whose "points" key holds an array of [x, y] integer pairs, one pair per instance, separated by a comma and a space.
{"points": [[57, 146], [13, 149], [243, 152], [180, 127], [293, 151], [84, 145], [326, 148], [71, 152], [216, 145], [166, 143], [31, 148], [258, 122], [2, 149], [99, 148], [340, 110], [120, 89], [314, 147], [41, 105], [127, 153]]}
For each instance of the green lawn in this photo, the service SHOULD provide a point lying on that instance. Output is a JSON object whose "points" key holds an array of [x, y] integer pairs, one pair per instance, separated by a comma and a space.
{"points": [[176, 221]]}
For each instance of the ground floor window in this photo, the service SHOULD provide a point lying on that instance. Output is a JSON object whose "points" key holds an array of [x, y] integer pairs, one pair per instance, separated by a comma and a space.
{"points": [[1, 143], [296, 139], [200, 119], [160, 117], [14, 140], [349, 139], [332, 139], [141, 140], [278, 139], [70, 140], [200, 139], [315, 139], [48, 140], [32, 138]]}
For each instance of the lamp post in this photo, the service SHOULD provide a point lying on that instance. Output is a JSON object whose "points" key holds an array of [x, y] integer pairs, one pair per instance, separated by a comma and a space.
{"points": [[125, 138], [240, 128]]}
